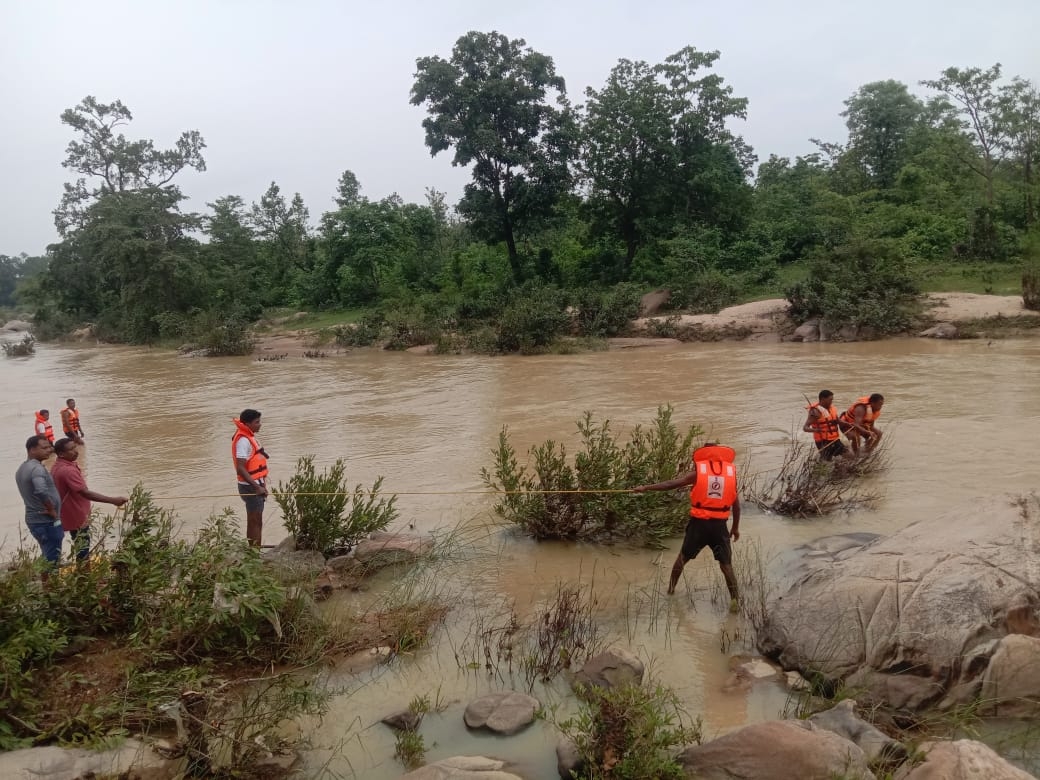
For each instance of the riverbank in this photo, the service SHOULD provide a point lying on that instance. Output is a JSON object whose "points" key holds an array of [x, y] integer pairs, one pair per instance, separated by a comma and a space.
{"points": [[972, 315]]}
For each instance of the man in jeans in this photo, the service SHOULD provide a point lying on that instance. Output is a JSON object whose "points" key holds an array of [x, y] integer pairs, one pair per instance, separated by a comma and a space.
{"points": [[41, 499], [76, 497]]}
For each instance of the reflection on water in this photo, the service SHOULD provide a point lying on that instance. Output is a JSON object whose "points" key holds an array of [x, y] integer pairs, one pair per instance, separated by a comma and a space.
{"points": [[961, 418]]}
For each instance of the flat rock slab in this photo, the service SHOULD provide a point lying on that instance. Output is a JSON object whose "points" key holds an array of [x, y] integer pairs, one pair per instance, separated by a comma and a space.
{"points": [[506, 712], [842, 720], [463, 768], [55, 763]]}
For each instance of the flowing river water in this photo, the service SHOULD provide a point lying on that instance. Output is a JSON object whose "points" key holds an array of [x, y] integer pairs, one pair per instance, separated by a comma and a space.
{"points": [[962, 418]]}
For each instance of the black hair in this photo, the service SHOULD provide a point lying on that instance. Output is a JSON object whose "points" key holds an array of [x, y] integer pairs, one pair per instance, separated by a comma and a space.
{"points": [[248, 415], [69, 401], [45, 411], [875, 397], [34, 441], [62, 444], [826, 394]]}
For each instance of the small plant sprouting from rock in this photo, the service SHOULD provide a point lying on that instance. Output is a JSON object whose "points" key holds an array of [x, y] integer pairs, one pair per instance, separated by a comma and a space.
{"points": [[325, 514], [630, 732], [545, 502]]}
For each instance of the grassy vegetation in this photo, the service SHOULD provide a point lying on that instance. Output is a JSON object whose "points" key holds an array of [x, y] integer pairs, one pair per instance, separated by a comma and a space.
{"points": [[980, 278]]}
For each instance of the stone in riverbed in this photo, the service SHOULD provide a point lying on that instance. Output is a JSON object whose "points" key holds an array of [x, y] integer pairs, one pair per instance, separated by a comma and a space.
{"points": [[505, 712], [964, 759], [613, 668], [463, 768]]}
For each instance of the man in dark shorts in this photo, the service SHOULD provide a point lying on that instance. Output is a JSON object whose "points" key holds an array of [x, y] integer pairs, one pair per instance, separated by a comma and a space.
{"points": [[713, 496], [250, 461]]}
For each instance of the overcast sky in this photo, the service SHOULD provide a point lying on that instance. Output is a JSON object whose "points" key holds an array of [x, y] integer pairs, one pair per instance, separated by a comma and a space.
{"points": [[297, 92]]}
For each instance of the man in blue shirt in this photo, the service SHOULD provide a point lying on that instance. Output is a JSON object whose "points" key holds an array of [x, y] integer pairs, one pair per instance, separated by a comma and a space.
{"points": [[41, 499]]}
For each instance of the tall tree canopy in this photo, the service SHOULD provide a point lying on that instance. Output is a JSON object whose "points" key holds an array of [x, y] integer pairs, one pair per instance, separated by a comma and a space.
{"points": [[493, 102]]}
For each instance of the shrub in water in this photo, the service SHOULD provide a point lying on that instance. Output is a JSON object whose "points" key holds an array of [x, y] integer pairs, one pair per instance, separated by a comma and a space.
{"points": [[541, 500], [324, 514]]}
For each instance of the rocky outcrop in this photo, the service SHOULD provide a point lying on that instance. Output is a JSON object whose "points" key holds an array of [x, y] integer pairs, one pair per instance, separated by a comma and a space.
{"points": [[776, 749], [612, 668], [943, 330], [379, 551], [964, 759], [505, 712], [1011, 684], [807, 331], [916, 618], [16, 326], [132, 758], [463, 768]]}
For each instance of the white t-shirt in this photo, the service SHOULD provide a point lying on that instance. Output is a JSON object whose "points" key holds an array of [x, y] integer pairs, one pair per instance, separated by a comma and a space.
{"points": [[244, 451]]}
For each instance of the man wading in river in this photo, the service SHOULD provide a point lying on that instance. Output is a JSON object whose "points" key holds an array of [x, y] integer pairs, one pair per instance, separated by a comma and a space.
{"points": [[251, 469], [713, 494]]}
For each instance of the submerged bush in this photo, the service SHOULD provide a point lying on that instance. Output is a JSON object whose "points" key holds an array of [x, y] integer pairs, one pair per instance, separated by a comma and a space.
{"points": [[605, 313], [325, 514], [542, 500], [23, 348]]}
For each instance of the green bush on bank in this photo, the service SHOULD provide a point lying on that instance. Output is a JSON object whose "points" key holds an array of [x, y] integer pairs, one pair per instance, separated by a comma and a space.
{"points": [[171, 607], [603, 463], [866, 285]]}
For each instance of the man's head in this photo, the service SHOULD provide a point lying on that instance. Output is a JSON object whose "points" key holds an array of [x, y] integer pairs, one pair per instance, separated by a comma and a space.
{"points": [[826, 398], [876, 401], [70, 402], [38, 448], [251, 419], [66, 449], [45, 414]]}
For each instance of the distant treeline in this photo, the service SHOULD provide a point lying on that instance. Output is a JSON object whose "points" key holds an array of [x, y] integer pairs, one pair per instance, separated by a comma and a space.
{"points": [[643, 183]]}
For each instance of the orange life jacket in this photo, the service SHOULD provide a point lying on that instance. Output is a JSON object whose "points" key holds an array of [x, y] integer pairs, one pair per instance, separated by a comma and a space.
{"points": [[256, 464], [70, 421], [715, 491], [48, 429], [824, 427], [869, 415]]}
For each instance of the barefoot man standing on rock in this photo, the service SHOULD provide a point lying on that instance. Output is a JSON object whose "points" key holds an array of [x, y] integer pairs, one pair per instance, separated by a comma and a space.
{"points": [[713, 495]]}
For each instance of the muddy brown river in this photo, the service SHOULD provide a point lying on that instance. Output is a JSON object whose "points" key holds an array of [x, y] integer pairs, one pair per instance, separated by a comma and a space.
{"points": [[962, 418]]}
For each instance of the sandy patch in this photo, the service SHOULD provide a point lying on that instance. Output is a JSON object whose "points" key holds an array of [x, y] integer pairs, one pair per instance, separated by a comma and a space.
{"points": [[755, 317], [958, 306]]}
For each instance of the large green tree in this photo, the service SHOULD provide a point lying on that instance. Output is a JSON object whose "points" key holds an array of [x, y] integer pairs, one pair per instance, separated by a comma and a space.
{"points": [[656, 149], [882, 118], [503, 108]]}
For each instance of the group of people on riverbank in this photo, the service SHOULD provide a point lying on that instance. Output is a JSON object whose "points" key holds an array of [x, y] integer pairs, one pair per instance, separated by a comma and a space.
{"points": [[858, 423], [58, 501]]}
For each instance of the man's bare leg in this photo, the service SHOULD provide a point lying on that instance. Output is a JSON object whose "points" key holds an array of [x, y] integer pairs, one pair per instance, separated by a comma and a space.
{"points": [[677, 568], [254, 527]]}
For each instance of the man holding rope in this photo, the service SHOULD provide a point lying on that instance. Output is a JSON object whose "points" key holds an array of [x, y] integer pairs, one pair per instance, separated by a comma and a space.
{"points": [[251, 469]]}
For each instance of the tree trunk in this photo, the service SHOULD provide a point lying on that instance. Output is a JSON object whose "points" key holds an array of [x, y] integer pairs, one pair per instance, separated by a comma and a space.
{"points": [[514, 256]]}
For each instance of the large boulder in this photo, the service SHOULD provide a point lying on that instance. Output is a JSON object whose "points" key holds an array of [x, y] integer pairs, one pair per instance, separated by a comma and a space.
{"points": [[387, 549], [915, 618], [462, 768], [613, 668], [506, 712], [776, 750], [16, 326], [964, 759], [944, 330], [807, 331]]}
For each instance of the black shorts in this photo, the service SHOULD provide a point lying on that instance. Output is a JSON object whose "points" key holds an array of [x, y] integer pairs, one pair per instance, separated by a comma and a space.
{"points": [[707, 533], [831, 449]]}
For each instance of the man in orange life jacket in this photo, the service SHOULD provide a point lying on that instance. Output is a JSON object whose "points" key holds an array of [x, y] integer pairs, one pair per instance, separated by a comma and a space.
{"points": [[713, 495], [822, 423], [43, 426], [858, 421], [70, 421], [251, 470]]}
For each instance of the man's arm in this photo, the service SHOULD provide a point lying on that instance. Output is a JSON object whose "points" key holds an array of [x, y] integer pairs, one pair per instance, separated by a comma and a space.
{"points": [[240, 467], [688, 478], [734, 531], [813, 414], [42, 490]]}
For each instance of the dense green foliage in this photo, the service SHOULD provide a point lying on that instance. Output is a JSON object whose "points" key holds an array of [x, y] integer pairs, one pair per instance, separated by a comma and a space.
{"points": [[325, 514], [606, 467], [645, 184]]}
